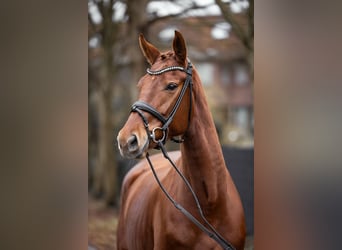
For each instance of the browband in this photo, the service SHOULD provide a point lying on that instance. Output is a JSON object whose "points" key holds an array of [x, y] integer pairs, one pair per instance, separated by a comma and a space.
{"points": [[161, 71]]}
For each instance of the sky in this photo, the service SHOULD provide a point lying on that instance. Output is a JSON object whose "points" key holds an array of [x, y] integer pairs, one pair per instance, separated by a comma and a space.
{"points": [[163, 8]]}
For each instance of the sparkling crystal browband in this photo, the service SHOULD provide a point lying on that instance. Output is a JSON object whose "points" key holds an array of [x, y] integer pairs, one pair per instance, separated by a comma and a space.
{"points": [[161, 71]]}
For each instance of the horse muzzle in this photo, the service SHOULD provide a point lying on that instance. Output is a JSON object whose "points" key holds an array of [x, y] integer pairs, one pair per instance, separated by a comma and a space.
{"points": [[132, 146]]}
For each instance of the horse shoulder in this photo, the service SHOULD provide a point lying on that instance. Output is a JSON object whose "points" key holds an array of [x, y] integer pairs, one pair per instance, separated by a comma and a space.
{"points": [[140, 199], [128, 181], [131, 176]]}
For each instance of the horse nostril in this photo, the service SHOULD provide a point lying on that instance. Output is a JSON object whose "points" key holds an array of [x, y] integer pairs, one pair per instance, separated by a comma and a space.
{"points": [[132, 143]]}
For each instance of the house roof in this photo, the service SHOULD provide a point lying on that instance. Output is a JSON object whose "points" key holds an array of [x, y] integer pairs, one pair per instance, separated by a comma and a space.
{"points": [[197, 32]]}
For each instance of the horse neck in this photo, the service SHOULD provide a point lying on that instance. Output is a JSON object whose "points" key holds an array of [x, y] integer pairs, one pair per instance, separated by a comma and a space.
{"points": [[202, 158]]}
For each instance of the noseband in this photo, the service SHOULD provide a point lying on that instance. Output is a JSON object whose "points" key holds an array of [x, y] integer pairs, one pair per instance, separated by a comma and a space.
{"points": [[140, 106]]}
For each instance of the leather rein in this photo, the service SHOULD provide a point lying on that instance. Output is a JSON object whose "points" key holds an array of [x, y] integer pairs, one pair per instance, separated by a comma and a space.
{"points": [[141, 106]]}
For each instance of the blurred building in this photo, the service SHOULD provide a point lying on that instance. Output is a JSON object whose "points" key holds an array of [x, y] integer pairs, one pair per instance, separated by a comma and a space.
{"points": [[222, 62]]}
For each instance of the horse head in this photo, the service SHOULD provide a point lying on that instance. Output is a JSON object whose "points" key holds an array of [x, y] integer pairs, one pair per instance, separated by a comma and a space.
{"points": [[164, 107]]}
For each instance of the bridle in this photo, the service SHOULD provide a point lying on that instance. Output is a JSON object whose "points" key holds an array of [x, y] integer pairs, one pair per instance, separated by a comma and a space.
{"points": [[141, 106]]}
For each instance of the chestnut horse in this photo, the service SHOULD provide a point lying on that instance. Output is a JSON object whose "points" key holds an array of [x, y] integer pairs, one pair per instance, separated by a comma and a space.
{"points": [[172, 103]]}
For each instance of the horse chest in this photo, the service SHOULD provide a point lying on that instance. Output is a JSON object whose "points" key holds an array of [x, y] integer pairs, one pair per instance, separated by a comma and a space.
{"points": [[175, 231]]}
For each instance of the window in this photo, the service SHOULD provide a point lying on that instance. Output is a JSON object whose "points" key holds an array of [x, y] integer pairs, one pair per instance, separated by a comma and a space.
{"points": [[241, 75], [206, 72]]}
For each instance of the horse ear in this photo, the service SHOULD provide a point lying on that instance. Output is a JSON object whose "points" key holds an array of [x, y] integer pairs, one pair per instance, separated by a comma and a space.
{"points": [[179, 47], [150, 52]]}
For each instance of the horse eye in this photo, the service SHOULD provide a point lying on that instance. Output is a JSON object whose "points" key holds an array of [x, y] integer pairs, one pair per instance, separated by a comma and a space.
{"points": [[171, 86]]}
